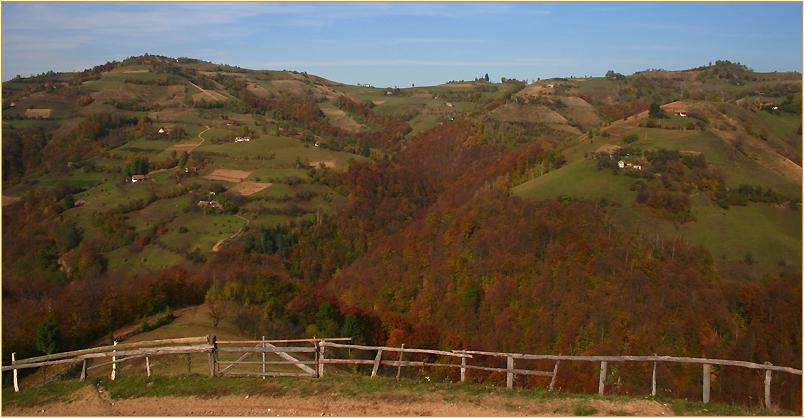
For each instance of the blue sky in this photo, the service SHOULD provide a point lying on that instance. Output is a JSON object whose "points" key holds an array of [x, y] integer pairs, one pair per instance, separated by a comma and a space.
{"points": [[388, 44]]}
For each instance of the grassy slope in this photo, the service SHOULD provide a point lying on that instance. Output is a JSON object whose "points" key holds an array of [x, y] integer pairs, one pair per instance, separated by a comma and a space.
{"points": [[271, 158], [771, 235]]}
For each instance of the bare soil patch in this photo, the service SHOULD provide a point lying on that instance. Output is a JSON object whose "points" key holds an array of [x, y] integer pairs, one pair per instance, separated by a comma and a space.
{"points": [[294, 87], [225, 174], [90, 402], [513, 112], [339, 119], [677, 105], [248, 188], [328, 163], [534, 90], [206, 94], [171, 114], [459, 85], [580, 111], [136, 71], [298, 88], [37, 113], [378, 102], [258, 90]]}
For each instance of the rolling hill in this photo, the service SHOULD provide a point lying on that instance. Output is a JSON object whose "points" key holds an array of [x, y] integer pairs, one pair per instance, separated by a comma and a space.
{"points": [[659, 211]]}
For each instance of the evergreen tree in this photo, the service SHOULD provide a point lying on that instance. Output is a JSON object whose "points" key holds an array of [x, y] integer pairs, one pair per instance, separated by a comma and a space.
{"points": [[47, 336]]}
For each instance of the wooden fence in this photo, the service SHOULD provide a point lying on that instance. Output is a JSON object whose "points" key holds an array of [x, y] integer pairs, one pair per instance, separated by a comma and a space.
{"points": [[309, 359]]}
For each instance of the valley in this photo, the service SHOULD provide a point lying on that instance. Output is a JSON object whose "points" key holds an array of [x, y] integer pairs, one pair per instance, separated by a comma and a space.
{"points": [[653, 212]]}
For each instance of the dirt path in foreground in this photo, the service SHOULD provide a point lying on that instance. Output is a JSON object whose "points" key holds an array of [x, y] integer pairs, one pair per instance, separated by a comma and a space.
{"points": [[90, 402]]}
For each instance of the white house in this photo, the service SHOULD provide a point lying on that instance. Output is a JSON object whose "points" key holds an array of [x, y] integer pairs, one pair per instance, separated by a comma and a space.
{"points": [[621, 164], [242, 139]]}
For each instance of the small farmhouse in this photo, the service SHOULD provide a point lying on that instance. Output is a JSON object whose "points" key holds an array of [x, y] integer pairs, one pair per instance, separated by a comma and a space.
{"points": [[621, 164], [242, 139], [138, 177], [209, 204], [680, 112]]}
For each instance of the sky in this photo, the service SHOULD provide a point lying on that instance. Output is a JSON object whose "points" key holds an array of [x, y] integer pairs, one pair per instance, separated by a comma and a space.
{"points": [[399, 44]]}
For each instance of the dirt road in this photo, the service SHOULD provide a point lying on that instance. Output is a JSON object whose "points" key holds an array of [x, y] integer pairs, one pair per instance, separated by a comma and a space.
{"points": [[219, 244], [91, 402], [206, 92]]}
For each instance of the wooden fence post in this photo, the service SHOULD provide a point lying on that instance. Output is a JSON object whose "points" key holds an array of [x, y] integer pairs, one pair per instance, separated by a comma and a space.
{"points": [[147, 366], [263, 357], [399, 367], [553, 378], [377, 360], [653, 381], [114, 363], [83, 370], [707, 376], [211, 339], [317, 359], [509, 376], [601, 384], [189, 363], [463, 369], [768, 386], [13, 360], [321, 360]]}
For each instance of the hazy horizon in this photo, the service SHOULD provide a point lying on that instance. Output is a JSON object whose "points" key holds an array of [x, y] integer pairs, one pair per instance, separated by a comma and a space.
{"points": [[388, 44]]}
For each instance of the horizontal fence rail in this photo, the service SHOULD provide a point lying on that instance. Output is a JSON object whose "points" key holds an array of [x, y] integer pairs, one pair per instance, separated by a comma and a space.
{"points": [[309, 360], [658, 359]]}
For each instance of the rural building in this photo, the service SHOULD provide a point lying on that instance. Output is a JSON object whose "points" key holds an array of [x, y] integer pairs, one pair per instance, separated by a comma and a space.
{"points": [[209, 204], [138, 177], [242, 139], [621, 164], [163, 130], [680, 112]]}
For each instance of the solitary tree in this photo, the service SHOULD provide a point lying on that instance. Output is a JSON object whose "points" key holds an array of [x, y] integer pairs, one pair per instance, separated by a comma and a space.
{"points": [[47, 336], [656, 111], [216, 304], [486, 77]]}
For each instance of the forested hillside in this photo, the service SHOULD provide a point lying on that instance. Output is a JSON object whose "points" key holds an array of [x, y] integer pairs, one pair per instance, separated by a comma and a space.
{"points": [[658, 212]]}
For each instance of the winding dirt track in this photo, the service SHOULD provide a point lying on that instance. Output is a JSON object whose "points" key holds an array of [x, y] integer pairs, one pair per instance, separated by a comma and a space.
{"points": [[219, 244]]}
